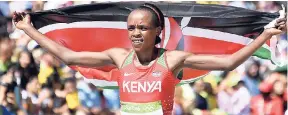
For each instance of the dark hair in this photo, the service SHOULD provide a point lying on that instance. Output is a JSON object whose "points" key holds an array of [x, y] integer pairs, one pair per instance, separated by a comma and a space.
{"points": [[32, 63], [157, 17], [30, 71], [70, 80], [31, 78], [257, 64]]}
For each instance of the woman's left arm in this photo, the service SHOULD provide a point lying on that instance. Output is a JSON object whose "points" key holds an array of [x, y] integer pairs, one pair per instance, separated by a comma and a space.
{"points": [[229, 62]]}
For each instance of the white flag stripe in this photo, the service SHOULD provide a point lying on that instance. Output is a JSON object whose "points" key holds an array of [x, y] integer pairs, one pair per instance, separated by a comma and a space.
{"points": [[217, 35], [167, 32], [101, 83]]}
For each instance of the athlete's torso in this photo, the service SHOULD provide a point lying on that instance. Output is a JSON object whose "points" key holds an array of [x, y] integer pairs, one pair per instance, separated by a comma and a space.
{"points": [[146, 90]]}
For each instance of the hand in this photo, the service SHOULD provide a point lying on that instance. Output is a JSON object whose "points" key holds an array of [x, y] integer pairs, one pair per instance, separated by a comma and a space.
{"points": [[7, 78], [21, 20], [280, 26]]}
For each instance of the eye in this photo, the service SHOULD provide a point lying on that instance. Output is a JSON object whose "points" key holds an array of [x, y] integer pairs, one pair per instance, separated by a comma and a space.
{"points": [[144, 28], [131, 28]]}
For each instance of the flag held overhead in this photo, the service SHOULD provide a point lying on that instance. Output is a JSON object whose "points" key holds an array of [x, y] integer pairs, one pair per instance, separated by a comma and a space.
{"points": [[195, 28]]}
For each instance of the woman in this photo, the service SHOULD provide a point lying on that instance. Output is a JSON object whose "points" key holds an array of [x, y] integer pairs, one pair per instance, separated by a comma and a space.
{"points": [[26, 67], [9, 90], [147, 80]]}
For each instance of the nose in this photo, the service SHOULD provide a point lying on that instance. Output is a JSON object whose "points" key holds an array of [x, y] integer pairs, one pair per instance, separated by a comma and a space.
{"points": [[136, 33]]}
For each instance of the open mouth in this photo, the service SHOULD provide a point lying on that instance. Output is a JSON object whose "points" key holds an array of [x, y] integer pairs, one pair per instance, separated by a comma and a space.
{"points": [[137, 41]]}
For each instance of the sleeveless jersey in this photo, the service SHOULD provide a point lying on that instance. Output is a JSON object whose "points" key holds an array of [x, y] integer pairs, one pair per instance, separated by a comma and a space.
{"points": [[146, 90]]}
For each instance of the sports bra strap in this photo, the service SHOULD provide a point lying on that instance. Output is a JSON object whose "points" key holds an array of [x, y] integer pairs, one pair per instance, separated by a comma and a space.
{"points": [[162, 59], [128, 60]]}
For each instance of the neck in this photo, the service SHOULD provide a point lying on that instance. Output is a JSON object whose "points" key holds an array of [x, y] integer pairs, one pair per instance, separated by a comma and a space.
{"points": [[146, 56]]}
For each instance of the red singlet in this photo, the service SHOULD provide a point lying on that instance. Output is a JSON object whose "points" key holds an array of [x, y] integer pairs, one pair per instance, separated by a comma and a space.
{"points": [[146, 90]]}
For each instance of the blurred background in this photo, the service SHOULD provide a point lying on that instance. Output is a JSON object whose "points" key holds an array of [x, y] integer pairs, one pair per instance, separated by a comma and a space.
{"points": [[33, 82]]}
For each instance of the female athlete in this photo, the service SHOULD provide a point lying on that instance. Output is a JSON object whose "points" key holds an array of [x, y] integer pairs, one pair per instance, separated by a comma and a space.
{"points": [[147, 80]]}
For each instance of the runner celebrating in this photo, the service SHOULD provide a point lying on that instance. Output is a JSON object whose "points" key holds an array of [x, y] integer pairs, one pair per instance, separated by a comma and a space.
{"points": [[147, 73]]}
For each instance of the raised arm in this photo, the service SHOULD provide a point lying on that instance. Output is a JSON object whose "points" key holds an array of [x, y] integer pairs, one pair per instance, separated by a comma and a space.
{"points": [[228, 62], [69, 57]]}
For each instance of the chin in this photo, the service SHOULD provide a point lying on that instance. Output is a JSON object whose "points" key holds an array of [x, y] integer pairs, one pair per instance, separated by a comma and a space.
{"points": [[137, 49]]}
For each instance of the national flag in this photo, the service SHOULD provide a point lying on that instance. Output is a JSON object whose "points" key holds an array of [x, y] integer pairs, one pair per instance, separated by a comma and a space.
{"points": [[195, 28]]}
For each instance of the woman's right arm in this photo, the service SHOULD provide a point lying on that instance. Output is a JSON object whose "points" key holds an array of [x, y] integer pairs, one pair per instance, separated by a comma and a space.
{"points": [[3, 89], [69, 57], [4, 81]]}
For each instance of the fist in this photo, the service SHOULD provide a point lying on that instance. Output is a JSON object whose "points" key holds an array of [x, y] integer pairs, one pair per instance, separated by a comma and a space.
{"points": [[280, 27], [21, 20]]}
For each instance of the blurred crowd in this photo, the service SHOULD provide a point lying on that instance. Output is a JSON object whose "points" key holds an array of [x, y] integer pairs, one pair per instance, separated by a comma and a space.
{"points": [[33, 82]]}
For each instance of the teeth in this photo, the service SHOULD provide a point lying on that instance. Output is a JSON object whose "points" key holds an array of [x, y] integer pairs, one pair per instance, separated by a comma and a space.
{"points": [[138, 41]]}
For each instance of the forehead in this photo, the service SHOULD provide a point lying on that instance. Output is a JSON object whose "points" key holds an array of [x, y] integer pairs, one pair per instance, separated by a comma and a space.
{"points": [[139, 17], [34, 80], [70, 83], [24, 54]]}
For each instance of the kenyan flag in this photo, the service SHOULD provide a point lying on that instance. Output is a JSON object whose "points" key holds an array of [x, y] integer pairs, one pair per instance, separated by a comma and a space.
{"points": [[195, 28]]}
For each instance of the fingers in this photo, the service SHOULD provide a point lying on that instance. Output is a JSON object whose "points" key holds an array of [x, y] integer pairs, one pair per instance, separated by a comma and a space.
{"points": [[280, 22], [281, 27], [18, 16]]}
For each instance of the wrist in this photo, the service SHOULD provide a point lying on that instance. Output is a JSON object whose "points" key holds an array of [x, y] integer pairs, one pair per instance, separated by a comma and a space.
{"points": [[27, 27], [267, 33]]}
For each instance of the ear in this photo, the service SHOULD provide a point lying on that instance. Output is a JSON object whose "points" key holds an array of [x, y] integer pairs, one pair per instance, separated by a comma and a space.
{"points": [[158, 30]]}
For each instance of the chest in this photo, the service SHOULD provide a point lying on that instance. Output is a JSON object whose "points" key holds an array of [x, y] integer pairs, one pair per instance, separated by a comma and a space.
{"points": [[145, 80]]}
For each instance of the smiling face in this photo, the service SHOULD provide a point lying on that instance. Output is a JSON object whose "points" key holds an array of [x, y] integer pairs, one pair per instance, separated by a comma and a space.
{"points": [[24, 59], [141, 30]]}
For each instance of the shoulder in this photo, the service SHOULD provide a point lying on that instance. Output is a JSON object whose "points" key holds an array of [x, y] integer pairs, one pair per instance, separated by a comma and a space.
{"points": [[118, 55], [117, 52], [176, 58]]}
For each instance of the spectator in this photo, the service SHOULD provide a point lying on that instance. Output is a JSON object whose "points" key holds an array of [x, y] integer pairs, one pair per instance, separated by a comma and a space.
{"points": [[48, 71], [240, 99], [234, 98], [9, 91], [200, 101], [112, 99], [26, 67], [30, 95], [89, 96], [266, 104], [210, 96], [253, 78], [6, 51], [70, 94]]}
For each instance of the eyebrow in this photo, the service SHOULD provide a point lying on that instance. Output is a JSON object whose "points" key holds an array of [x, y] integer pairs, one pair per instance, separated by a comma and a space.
{"points": [[139, 26]]}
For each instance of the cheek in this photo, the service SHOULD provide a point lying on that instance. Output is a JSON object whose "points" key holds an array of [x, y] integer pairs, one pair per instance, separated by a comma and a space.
{"points": [[23, 61], [149, 36], [130, 34]]}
